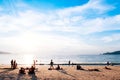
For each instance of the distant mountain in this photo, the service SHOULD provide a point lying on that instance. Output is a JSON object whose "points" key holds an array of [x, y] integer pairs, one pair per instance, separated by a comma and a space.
{"points": [[112, 53], [4, 52]]}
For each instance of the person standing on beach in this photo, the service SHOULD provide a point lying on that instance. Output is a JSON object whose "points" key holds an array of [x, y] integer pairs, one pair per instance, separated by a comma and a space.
{"points": [[69, 63], [34, 63], [108, 63], [51, 64], [12, 63]]}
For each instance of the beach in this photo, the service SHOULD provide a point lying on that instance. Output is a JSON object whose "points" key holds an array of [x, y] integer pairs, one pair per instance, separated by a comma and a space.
{"points": [[67, 73]]}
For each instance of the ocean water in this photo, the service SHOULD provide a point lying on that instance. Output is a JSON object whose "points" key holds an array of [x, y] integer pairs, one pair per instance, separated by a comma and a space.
{"points": [[28, 59]]}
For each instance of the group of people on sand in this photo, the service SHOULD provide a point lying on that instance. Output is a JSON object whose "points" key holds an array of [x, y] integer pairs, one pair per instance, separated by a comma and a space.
{"points": [[30, 70], [52, 67], [13, 64], [78, 67]]}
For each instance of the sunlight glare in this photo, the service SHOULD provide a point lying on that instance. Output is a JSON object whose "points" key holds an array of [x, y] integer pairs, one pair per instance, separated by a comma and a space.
{"points": [[28, 59]]}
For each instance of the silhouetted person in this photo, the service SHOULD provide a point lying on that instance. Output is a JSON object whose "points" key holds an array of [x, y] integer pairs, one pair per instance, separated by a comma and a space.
{"points": [[69, 63], [107, 68], [51, 64], [108, 63], [34, 63], [79, 67], [31, 70], [58, 67], [12, 63], [22, 70]]}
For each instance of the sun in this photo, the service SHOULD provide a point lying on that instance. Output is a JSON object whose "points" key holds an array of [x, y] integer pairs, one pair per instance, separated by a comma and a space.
{"points": [[28, 59]]}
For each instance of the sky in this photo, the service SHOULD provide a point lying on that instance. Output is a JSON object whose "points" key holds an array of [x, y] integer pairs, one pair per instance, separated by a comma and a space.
{"points": [[59, 26]]}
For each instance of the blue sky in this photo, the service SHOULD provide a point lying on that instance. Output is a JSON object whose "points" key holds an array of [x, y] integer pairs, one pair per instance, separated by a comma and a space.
{"points": [[59, 26]]}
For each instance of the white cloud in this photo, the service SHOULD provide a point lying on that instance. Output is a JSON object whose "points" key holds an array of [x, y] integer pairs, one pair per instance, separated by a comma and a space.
{"points": [[112, 38], [93, 6], [65, 20], [30, 42], [107, 39]]}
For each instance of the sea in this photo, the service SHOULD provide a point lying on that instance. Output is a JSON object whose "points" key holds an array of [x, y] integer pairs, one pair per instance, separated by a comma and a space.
{"points": [[28, 58]]}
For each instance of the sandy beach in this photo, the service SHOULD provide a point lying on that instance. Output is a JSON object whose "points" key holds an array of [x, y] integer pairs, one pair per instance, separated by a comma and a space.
{"points": [[68, 73]]}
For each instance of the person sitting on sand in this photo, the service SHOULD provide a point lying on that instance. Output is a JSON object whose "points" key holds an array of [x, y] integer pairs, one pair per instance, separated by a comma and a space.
{"points": [[22, 70], [31, 70], [93, 69], [107, 68], [79, 67], [58, 67]]}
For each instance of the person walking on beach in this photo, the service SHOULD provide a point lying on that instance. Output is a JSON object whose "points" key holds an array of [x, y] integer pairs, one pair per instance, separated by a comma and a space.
{"points": [[51, 64]]}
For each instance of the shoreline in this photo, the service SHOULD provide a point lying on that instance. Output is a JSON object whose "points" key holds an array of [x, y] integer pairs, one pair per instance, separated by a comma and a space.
{"points": [[88, 63]]}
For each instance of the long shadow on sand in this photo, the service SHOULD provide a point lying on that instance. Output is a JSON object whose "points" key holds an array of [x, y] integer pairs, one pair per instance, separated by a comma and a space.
{"points": [[4, 75], [6, 70], [19, 76], [22, 77], [64, 72], [33, 77]]}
